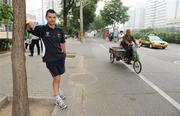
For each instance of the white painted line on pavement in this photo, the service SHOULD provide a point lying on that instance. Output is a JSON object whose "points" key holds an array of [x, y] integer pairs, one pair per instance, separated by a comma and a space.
{"points": [[156, 88], [102, 46], [161, 92]]}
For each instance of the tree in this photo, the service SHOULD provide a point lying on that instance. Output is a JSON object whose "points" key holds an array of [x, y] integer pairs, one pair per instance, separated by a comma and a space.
{"points": [[114, 12], [20, 105], [67, 5], [88, 13], [98, 23], [5, 13]]}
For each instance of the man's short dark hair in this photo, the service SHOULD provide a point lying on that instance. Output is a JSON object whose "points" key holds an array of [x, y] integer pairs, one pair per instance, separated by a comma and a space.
{"points": [[50, 11]]}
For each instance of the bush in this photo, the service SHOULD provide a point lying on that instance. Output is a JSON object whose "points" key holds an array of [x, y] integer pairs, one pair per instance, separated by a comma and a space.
{"points": [[5, 44], [137, 35], [169, 36]]}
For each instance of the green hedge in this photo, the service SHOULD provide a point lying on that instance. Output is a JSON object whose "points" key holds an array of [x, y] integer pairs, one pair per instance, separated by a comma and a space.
{"points": [[171, 37], [5, 44]]}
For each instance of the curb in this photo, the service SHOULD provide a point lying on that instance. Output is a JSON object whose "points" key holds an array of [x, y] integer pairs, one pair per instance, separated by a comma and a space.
{"points": [[55, 110], [5, 54], [43, 100], [3, 101]]}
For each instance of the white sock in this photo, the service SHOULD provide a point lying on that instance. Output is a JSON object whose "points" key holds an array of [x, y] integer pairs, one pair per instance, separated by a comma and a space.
{"points": [[58, 97], [61, 92]]}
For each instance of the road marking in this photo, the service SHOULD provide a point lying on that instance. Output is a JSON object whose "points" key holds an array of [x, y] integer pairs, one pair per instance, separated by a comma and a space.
{"points": [[156, 88], [102, 46]]}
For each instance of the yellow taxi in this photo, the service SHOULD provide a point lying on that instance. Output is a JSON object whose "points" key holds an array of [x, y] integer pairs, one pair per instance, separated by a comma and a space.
{"points": [[153, 41]]}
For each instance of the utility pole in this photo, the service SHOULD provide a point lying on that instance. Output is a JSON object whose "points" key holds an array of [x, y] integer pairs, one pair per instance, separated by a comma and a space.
{"points": [[7, 2], [81, 20]]}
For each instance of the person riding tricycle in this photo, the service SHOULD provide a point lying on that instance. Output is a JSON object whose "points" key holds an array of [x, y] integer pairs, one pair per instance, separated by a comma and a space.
{"points": [[126, 52], [127, 44]]}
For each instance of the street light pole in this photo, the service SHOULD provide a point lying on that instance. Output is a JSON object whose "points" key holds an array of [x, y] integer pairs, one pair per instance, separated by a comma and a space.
{"points": [[81, 20], [7, 25]]}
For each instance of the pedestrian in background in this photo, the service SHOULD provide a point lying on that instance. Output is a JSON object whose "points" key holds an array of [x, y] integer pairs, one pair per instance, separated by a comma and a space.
{"points": [[34, 42], [27, 40]]}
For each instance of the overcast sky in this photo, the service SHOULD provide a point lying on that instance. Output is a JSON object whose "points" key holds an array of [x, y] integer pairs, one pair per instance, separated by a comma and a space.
{"points": [[129, 3], [35, 4]]}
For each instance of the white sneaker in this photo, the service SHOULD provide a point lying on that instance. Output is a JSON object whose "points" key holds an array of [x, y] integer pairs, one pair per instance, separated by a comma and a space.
{"points": [[60, 103], [63, 97]]}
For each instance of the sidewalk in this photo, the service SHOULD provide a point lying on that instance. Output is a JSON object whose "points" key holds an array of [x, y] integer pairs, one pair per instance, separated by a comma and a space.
{"points": [[39, 78], [1, 96]]}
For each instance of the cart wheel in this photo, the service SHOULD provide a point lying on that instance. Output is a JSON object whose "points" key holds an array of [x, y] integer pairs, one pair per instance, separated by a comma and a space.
{"points": [[112, 58], [137, 66]]}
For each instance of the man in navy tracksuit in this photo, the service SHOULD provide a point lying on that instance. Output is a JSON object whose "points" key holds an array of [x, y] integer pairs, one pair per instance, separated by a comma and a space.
{"points": [[54, 51]]}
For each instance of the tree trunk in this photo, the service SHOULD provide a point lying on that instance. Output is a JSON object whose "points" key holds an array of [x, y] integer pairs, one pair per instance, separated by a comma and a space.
{"points": [[20, 105], [7, 31], [65, 16], [65, 22]]}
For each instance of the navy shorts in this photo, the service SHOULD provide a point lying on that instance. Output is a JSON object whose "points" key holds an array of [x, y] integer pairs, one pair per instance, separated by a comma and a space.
{"points": [[56, 67]]}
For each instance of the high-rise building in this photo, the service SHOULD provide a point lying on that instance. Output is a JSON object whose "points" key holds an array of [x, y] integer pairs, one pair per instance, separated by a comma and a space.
{"points": [[162, 13], [41, 12], [131, 22], [155, 13], [139, 18], [173, 13], [136, 17], [38, 15], [51, 4]]}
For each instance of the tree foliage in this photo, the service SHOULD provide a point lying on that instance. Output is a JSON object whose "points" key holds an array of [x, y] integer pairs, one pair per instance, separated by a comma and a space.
{"points": [[5, 13], [98, 23], [114, 11], [88, 16], [67, 5]]}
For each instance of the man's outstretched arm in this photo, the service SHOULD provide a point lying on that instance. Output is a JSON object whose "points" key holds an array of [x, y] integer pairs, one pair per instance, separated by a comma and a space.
{"points": [[35, 30]]}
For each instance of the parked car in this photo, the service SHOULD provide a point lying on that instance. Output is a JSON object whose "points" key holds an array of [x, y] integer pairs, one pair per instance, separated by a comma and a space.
{"points": [[153, 41]]}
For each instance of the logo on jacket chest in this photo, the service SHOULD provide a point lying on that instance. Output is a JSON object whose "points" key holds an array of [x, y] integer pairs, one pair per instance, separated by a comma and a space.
{"points": [[47, 34], [59, 35]]}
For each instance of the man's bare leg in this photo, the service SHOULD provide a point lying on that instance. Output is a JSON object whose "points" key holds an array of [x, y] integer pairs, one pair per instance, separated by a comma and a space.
{"points": [[56, 85]]}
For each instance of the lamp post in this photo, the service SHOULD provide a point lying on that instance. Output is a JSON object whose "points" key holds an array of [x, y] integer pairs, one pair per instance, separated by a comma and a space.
{"points": [[82, 5], [7, 2]]}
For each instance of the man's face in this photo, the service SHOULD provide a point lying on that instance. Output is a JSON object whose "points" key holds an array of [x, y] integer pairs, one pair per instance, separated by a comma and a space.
{"points": [[51, 18], [128, 32]]}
